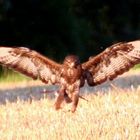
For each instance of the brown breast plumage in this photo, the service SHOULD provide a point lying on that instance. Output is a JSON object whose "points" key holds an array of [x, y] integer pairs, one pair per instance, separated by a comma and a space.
{"points": [[71, 74]]}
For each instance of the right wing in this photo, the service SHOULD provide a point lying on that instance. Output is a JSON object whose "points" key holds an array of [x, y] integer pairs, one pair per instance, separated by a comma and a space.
{"points": [[30, 63], [113, 61]]}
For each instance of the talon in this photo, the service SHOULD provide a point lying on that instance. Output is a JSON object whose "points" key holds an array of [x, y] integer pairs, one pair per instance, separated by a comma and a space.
{"points": [[73, 110]]}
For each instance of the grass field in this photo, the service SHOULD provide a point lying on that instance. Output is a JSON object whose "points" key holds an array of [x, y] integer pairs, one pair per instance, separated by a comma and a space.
{"points": [[112, 113]]}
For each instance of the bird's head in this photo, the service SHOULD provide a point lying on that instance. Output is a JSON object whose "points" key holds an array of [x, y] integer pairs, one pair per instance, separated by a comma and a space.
{"points": [[71, 61]]}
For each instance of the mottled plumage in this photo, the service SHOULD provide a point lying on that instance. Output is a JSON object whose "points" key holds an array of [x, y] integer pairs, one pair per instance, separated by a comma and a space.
{"points": [[71, 74]]}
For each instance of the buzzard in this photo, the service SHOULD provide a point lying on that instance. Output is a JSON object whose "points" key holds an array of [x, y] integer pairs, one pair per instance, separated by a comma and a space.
{"points": [[71, 75]]}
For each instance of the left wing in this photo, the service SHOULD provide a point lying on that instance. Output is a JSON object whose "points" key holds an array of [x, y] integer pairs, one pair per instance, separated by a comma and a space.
{"points": [[31, 64], [113, 61]]}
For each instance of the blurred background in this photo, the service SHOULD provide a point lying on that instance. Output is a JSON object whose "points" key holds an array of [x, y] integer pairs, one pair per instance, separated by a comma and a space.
{"points": [[56, 28]]}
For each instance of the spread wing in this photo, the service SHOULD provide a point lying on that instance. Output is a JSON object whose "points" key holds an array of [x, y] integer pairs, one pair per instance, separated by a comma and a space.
{"points": [[113, 61], [30, 63]]}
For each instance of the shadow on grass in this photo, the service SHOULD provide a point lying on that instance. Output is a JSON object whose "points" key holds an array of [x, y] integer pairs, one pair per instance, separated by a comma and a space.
{"points": [[123, 82], [34, 92], [26, 93]]}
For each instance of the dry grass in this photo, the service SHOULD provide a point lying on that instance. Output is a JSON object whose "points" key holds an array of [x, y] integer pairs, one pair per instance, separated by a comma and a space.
{"points": [[113, 115]]}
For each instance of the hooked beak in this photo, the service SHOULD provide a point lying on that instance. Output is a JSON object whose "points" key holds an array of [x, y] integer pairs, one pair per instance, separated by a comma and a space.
{"points": [[72, 65]]}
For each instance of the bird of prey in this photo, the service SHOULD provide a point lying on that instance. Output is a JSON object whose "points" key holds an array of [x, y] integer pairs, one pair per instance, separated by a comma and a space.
{"points": [[71, 75]]}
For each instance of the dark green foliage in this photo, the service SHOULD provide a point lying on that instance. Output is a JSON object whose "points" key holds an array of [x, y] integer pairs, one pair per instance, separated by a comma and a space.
{"points": [[60, 27]]}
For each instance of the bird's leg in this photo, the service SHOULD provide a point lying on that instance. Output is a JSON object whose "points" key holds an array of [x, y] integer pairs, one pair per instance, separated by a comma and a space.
{"points": [[75, 99], [59, 99]]}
